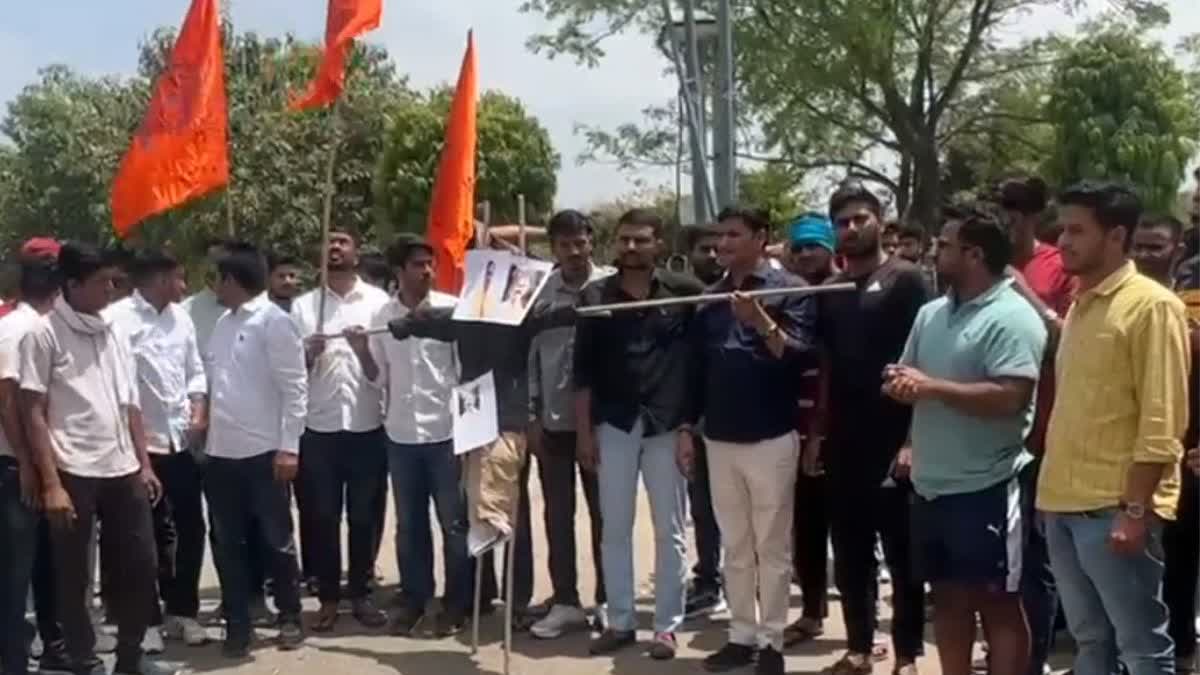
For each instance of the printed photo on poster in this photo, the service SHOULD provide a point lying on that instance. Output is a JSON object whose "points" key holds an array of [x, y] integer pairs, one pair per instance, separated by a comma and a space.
{"points": [[500, 287], [473, 409]]}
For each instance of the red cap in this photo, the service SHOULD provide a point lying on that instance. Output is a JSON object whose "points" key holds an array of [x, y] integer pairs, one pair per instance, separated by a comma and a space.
{"points": [[40, 247]]}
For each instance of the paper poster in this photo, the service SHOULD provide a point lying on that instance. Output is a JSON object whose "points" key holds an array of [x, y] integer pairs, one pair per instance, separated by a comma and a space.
{"points": [[473, 407], [500, 287]]}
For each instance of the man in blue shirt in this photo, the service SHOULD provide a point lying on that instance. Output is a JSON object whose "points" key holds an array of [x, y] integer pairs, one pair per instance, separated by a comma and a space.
{"points": [[970, 369], [749, 357]]}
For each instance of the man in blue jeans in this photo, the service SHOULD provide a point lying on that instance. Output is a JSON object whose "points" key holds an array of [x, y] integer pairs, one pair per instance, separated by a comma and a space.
{"points": [[417, 376], [631, 383], [20, 486], [1110, 477]]}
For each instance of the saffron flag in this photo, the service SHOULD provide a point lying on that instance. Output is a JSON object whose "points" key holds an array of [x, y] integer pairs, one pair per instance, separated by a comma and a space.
{"points": [[180, 150], [346, 20], [452, 209]]}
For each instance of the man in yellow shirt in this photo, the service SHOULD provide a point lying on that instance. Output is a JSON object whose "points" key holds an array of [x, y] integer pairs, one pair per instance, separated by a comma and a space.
{"points": [[1110, 477]]}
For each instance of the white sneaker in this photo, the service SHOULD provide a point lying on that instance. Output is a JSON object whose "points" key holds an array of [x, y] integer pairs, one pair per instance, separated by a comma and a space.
{"points": [[186, 629], [152, 641], [599, 618], [560, 620]]}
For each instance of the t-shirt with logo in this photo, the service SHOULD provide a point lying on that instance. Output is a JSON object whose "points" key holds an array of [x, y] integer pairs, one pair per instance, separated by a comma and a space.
{"points": [[862, 332]]}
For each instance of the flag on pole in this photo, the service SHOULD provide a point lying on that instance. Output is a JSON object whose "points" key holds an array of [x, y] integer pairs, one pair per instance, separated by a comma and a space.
{"points": [[346, 20], [180, 150], [452, 210]]}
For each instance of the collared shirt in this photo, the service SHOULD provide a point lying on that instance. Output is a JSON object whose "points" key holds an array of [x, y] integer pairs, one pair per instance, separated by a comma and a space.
{"points": [[204, 310], [258, 382], [168, 366], [339, 396], [417, 376], [551, 396], [83, 369], [13, 326], [862, 332], [744, 392], [1122, 395], [636, 362], [994, 335]]}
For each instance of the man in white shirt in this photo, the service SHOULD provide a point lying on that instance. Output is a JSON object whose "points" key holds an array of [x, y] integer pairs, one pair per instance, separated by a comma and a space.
{"points": [[204, 307], [174, 398], [343, 455], [258, 397], [417, 376], [84, 425], [20, 489]]}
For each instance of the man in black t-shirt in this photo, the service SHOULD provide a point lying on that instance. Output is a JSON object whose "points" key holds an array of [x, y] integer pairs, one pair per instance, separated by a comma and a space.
{"points": [[866, 467]]}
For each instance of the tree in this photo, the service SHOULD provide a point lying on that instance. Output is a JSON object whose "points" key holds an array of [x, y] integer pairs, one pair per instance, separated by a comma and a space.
{"points": [[69, 132], [873, 89], [515, 156], [1122, 109]]}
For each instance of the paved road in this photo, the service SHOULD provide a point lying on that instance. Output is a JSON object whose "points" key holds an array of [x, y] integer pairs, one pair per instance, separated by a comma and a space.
{"points": [[351, 649]]}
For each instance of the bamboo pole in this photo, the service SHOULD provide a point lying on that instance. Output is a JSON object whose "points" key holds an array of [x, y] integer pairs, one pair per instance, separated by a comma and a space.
{"points": [[607, 310], [327, 215], [521, 243], [600, 311]]}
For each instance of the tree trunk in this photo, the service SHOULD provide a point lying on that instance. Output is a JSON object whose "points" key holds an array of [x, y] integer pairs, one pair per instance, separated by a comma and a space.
{"points": [[925, 206]]}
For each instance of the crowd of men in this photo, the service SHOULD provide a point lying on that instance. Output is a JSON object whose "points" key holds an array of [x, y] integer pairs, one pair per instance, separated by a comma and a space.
{"points": [[1003, 418]]}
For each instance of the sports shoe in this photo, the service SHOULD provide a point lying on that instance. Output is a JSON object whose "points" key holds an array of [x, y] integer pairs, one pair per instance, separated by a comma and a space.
{"points": [[291, 635], [703, 600], [186, 629], [367, 613], [730, 657], [561, 619], [664, 647], [152, 641], [598, 618], [404, 622], [770, 662], [610, 641]]}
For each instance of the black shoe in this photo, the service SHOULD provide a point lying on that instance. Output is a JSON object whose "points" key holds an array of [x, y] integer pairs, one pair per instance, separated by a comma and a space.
{"points": [[96, 667], [702, 600], [770, 662], [404, 622], [610, 641], [291, 635], [55, 660], [729, 657], [366, 613], [236, 647], [449, 622], [144, 666]]}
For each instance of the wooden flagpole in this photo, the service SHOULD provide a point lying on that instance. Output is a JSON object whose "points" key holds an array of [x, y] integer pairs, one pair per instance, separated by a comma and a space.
{"points": [[327, 215]]}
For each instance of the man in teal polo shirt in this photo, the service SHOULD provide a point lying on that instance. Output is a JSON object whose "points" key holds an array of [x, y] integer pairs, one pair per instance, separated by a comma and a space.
{"points": [[970, 369]]}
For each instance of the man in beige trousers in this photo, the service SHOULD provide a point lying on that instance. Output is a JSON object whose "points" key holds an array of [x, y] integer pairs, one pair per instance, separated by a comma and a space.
{"points": [[749, 356]]}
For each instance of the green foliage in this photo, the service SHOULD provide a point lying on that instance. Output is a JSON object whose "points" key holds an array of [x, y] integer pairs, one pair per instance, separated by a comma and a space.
{"points": [[1122, 109], [515, 157], [69, 131], [919, 97]]}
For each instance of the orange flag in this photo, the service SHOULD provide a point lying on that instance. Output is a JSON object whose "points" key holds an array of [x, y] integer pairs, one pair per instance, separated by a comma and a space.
{"points": [[452, 209], [346, 20], [179, 152]]}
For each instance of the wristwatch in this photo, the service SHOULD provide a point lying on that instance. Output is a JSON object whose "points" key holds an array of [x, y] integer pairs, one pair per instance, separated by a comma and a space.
{"points": [[1133, 509]]}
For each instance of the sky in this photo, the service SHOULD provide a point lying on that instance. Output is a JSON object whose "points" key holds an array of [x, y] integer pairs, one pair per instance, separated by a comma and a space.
{"points": [[425, 39]]}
